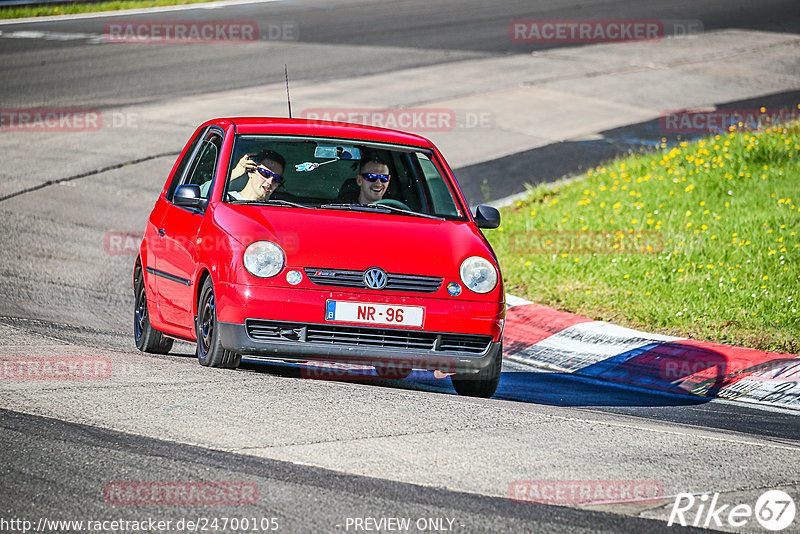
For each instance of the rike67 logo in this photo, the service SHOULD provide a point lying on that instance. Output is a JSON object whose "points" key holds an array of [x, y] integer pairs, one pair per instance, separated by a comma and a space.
{"points": [[774, 510]]}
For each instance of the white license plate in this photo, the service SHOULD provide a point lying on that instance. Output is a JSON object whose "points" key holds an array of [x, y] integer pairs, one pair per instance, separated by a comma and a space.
{"points": [[372, 313]]}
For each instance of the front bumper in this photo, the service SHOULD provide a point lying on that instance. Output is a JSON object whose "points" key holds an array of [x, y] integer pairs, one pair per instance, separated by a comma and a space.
{"points": [[455, 353], [238, 303]]}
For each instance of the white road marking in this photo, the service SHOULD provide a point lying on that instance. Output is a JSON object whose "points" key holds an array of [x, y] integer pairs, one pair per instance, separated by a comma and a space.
{"points": [[93, 38], [142, 11], [521, 363], [512, 300]]}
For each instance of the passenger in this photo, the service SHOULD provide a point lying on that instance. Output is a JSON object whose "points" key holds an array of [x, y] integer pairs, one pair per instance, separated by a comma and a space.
{"points": [[372, 181], [264, 171]]}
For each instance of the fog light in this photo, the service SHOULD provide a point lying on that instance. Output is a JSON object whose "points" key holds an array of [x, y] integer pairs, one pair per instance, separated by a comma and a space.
{"points": [[454, 289], [294, 277]]}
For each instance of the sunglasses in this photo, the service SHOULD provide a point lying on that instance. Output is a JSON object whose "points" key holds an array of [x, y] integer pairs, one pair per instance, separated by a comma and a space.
{"points": [[266, 173], [371, 177]]}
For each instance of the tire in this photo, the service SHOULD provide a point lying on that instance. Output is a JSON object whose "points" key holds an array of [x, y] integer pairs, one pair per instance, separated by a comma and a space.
{"points": [[482, 384], [209, 348], [147, 338], [393, 371]]}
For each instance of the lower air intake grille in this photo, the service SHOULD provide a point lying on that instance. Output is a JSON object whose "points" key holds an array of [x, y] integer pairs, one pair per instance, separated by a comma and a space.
{"points": [[388, 338]]}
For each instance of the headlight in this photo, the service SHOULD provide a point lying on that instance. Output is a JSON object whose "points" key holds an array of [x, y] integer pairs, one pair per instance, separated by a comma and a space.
{"points": [[263, 259], [478, 274]]}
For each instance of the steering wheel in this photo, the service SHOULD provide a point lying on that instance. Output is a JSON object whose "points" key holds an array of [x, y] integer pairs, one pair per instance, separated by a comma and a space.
{"points": [[393, 203]]}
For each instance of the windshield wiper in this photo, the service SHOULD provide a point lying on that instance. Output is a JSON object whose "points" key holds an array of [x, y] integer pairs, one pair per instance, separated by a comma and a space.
{"points": [[409, 212], [272, 202], [380, 207]]}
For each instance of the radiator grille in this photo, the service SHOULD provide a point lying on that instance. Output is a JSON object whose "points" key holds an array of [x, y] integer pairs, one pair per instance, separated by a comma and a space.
{"points": [[355, 279], [388, 338]]}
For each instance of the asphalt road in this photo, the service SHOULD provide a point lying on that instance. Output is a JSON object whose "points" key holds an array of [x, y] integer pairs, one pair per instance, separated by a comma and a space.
{"points": [[370, 37], [321, 451], [43, 480]]}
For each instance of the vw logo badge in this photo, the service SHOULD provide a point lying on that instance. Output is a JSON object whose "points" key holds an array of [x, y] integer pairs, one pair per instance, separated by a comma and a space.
{"points": [[375, 278]]}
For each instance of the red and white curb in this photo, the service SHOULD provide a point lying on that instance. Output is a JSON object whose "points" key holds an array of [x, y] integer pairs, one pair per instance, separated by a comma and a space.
{"points": [[564, 342]]}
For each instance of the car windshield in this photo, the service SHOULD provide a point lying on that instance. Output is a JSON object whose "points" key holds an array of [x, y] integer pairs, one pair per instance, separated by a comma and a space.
{"points": [[339, 174]]}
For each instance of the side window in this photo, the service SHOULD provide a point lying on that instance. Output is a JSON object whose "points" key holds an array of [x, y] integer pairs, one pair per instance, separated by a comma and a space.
{"points": [[205, 164], [441, 198], [182, 165]]}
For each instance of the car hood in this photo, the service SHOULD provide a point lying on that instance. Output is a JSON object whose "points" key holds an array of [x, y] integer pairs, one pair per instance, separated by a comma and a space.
{"points": [[339, 239]]}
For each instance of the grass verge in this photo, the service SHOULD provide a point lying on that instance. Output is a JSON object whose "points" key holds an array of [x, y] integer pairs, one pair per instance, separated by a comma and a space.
{"points": [[700, 240], [17, 12]]}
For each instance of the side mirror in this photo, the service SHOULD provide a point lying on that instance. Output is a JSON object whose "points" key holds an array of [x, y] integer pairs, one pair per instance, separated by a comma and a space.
{"points": [[188, 196], [487, 217]]}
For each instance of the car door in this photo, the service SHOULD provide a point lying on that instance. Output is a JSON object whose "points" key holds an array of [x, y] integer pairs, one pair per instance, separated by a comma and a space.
{"points": [[178, 231]]}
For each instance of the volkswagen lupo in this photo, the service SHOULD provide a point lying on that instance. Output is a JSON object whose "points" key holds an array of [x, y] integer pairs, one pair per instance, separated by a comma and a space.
{"points": [[305, 241]]}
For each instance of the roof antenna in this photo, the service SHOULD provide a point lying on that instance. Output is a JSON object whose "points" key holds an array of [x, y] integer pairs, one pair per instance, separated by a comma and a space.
{"points": [[288, 100]]}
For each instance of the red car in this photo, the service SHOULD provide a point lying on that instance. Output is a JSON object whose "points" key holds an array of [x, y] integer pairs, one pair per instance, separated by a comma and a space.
{"points": [[298, 240]]}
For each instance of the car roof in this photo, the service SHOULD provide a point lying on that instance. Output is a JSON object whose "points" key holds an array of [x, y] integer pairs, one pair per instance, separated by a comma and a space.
{"points": [[319, 128]]}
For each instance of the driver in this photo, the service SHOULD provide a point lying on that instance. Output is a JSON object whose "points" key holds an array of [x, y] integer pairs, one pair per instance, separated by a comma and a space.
{"points": [[264, 172], [373, 181]]}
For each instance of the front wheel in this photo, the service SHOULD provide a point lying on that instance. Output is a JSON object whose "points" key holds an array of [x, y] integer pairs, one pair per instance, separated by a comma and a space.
{"points": [[147, 338], [209, 347], [482, 384]]}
